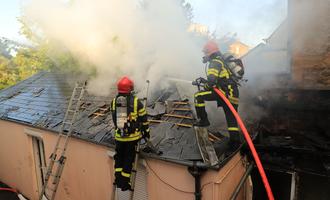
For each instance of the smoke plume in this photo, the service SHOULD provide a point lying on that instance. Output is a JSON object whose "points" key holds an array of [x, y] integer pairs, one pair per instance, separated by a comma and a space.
{"points": [[143, 40]]}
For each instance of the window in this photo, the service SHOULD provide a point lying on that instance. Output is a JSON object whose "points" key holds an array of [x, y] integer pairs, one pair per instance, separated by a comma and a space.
{"points": [[39, 159]]}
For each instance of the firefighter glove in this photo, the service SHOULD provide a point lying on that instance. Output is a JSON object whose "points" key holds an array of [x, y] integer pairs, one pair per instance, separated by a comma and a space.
{"points": [[207, 86], [205, 59], [146, 134]]}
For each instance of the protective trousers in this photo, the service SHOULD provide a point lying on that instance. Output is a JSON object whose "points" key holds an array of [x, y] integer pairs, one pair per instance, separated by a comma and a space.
{"points": [[202, 96], [124, 158]]}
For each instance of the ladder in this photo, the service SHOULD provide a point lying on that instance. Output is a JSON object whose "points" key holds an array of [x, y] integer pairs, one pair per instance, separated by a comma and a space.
{"points": [[134, 171], [57, 158], [114, 195]]}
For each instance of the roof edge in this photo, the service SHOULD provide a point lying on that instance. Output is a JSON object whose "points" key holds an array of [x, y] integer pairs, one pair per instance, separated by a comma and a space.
{"points": [[187, 163]]}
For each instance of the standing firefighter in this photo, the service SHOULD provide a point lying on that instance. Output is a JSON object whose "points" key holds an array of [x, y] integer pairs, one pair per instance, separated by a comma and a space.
{"points": [[130, 120], [221, 76]]}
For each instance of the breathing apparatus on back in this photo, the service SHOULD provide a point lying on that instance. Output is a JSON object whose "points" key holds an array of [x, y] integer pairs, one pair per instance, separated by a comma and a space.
{"points": [[125, 121]]}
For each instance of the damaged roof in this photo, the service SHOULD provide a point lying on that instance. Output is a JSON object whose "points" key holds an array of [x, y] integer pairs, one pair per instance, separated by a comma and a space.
{"points": [[41, 101]]}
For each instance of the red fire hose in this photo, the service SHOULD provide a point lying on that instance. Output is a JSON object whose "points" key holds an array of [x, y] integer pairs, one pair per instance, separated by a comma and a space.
{"points": [[250, 143], [8, 189]]}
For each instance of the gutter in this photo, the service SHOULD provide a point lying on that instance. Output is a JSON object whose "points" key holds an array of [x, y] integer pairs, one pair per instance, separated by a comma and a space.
{"points": [[196, 172]]}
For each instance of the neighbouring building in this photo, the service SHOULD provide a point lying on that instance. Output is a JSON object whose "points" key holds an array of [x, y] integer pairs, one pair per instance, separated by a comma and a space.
{"points": [[268, 60], [199, 29], [288, 85], [238, 48]]}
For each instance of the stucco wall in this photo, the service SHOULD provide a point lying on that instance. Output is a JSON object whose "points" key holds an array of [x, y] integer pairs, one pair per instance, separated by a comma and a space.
{"points": [[88, 173], [16, 161], [172, 181]]}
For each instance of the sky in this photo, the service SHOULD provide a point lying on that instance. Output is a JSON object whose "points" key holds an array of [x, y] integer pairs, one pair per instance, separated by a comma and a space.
{"points": [[252, 20], [9, 26]]}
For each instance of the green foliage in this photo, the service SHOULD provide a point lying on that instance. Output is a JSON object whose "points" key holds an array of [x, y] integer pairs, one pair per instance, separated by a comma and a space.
{"points": [[27, 62], [8, 73], [44, 54]]}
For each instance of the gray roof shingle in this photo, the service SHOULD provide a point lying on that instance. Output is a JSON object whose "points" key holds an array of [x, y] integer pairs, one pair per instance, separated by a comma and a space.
{"points": [[41, 101]]}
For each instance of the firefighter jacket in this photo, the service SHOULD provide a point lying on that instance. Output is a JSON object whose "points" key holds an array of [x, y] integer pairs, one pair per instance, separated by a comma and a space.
{"points": [[220, 76], [137, 117]]}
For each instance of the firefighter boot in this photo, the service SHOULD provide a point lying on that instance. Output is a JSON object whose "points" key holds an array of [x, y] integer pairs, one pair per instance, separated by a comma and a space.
{"points": [[202, 120], [126, 185], [118, 179], [234, 140]]}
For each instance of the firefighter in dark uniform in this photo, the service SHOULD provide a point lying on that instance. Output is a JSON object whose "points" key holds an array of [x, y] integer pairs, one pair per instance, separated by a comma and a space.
{"points": [[218, 75], [130, 119]]}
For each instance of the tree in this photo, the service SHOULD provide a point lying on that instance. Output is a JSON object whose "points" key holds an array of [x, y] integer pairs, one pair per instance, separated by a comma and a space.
{"points": [[8, 73], [43, 54], [188, 10], [46, 54]]}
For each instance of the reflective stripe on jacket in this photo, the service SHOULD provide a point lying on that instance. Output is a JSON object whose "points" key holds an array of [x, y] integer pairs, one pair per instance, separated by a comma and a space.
{"points": [[217, 73]]}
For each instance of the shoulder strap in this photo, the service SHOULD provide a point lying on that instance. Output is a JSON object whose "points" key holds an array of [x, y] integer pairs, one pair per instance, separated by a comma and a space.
{"points": [[113, 106], [134, 113], [226, 66], [135, 106]]}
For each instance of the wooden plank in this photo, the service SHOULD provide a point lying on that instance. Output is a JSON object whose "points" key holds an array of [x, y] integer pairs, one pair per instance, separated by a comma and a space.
{"points": [[182, 109], [170, 110], [97, 115], [180, 103], [178, 124], [211, 139], [214, 137], [178, 116]]}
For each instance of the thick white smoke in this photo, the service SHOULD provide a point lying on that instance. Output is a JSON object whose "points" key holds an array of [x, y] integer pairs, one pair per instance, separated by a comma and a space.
{"points": [[144, 41]]}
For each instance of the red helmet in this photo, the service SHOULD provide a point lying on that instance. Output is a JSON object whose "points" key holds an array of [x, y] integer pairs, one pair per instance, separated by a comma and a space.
{"points": [[210, 47], [125, 85]]}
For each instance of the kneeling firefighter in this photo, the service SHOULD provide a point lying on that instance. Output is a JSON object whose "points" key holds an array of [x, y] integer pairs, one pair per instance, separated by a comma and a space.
{"points": [[131, 124], [221, 76]]}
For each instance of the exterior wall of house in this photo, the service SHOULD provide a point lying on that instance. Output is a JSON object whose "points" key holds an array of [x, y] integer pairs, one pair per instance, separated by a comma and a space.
{"points": [[221, 184], [171, 181], [16, 160], [88, 173], [310, 41]]}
